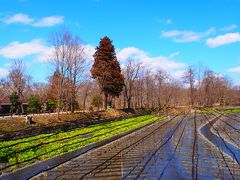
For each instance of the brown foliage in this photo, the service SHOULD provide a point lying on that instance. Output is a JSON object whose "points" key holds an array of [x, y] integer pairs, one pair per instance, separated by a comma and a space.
{"points": [[106, 69]]}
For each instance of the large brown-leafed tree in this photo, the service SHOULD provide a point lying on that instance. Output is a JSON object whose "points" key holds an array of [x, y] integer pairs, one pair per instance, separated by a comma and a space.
{"points": [[107, 71]]}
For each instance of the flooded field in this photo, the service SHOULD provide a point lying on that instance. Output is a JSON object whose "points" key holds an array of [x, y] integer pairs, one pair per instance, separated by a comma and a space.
{"points": [[183, 147]]}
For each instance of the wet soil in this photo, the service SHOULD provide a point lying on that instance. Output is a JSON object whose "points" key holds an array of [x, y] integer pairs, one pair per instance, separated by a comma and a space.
{"points": [[183, 147]]}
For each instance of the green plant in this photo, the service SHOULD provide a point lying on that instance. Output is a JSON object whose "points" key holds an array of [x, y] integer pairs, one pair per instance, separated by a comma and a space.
{"points": [[29, 150], [34, 104], [97, 101], [51, 105], [14, 100]]}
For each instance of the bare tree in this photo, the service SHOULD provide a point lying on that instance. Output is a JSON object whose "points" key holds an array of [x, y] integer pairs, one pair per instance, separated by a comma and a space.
{"points": [[70, 63], [18, 80], [208, 87], [4, 87], [41, 90], [131, 72], [222, 87], [139, 90], [86, 90], [160, 78], [189, 78]]}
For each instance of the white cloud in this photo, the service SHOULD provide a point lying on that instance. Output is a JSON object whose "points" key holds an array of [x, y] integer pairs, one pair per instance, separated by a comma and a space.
{"points": [[45, 55], [163, 63], [49, 21], [235, 70], [130, 52], [178, 74], [187, 36], [19, 50], [89, 51], [229, 28], [48, 52], [154, 63], [3, 72], [223, 39], [27, 20], [18, 18], [219, 75], [38, 49], [174, 54]]}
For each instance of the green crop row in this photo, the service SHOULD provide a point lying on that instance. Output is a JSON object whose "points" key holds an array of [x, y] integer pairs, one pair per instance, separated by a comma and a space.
{"points": [[28, 150], [229, 111], [214, 111]]}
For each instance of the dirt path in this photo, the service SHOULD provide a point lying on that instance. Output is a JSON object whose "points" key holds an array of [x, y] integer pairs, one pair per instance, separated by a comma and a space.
{"points": [[165, 150]]}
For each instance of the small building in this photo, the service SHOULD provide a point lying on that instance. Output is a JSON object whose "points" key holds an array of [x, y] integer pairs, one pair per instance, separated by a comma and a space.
{"points": [[5, 106]]}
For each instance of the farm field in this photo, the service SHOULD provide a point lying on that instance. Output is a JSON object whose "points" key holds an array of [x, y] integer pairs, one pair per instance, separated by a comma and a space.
{"points": [[15, 154], [183, 147]]}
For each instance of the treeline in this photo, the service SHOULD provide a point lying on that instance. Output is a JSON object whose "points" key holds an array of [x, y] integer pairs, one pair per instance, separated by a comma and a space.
{"points": [[77, 83]]}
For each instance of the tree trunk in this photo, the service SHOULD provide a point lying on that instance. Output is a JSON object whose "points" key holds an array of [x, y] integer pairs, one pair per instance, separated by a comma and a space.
{"points": [[159, 104], [73, 104], [105, 101], [110, 101], [84, 101], [124, 100], [113, 102], [129, 103], [22, 109], [58, 109]]}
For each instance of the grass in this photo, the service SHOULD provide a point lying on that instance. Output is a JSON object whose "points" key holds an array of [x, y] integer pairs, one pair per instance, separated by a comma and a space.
{"points": [[229, 111], [22, 152], [224, 111]]}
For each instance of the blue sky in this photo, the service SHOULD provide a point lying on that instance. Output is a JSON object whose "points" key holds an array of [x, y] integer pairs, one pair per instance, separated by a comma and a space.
{"points": [[161, 34]]}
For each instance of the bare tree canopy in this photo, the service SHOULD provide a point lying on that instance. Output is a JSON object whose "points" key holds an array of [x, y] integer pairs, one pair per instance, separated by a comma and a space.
{"points": [[70, 65], [189, 79], [131, 72], [18, 81]]}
